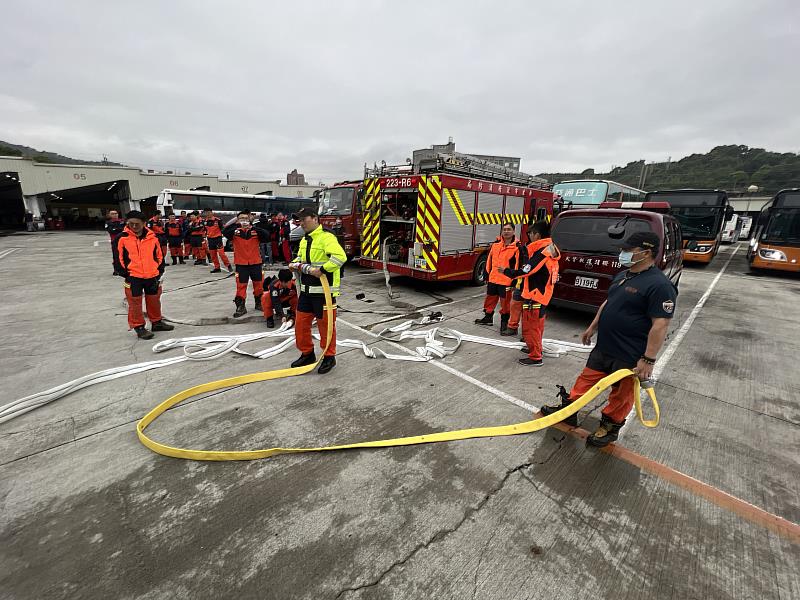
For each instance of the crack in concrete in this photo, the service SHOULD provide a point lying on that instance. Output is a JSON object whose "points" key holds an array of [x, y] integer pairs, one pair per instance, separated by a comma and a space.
{"points": [[442, 534]]}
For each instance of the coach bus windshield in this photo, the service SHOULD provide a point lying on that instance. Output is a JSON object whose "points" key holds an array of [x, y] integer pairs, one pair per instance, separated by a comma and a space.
{"points": [[700, 215]]}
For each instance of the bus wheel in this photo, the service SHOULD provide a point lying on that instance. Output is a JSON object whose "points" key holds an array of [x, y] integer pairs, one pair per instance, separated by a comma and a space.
{"points": [[479, 272]]}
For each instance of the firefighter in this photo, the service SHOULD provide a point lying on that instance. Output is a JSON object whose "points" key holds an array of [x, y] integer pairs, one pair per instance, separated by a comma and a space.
{"points": [[184, 221], [195, 233], [140, 261], [319, 255], [503, 254], [175, 239], [156, 225], [247, 258], [631, 326], [114, 227], [539, 275], [214, 234], [283, 229], [281, 293], [515, 306], [265, 223]]}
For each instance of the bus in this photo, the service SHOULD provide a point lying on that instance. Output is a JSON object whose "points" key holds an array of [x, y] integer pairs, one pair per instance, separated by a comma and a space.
{"points": [[586, 193], [702, 215], [228, 205], [776, 241]]}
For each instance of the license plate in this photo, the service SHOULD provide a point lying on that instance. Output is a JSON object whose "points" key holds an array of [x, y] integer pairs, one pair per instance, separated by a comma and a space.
{"points": [[586, 282]]}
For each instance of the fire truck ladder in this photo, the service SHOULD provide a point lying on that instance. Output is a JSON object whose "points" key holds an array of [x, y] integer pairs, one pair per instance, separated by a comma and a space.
{"points": [[465, 165]]}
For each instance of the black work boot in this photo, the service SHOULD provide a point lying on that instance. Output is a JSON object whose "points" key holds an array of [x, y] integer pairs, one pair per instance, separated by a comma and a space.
{"points": [[182, 260], [488, 319], [174, 260], [270, 323], [508, 331], [215, 270], [258, 302], [142, 333], [504, 322], [572, 421], [606, 432], [161, 326], [305, 359], [328, 362], [240, 307]]}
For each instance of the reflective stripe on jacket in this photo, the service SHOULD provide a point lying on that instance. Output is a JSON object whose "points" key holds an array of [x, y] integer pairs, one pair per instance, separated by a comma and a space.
{"points": [[320, 248]]}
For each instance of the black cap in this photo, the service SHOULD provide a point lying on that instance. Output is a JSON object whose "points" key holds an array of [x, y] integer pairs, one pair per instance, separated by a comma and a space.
{"points": [[306, 212], [642, 239]]}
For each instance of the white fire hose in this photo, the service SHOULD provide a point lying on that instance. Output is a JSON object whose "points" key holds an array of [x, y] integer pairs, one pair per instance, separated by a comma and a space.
{"points": [[210, 347]]}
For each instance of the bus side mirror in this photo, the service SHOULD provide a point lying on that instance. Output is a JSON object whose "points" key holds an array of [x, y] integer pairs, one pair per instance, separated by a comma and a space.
{"points": [[692, 245]]}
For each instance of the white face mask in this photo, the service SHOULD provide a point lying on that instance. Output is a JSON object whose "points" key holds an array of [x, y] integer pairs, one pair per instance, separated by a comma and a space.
{"points": [[626, 258]]}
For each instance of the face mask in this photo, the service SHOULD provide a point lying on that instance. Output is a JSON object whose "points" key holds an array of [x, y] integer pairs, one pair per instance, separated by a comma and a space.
{"points": [[626, 258]]}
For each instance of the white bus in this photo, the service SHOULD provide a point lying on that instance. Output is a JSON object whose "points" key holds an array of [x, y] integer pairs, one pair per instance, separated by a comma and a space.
{"points": [[228, 205]]}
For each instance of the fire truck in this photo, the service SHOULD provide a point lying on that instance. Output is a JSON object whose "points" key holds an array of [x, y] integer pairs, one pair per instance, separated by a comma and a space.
{"points": [[340, 211], [437, 223]]}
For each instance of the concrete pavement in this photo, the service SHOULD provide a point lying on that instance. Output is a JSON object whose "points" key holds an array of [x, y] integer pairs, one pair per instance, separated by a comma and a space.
{"points": [[89, 512]]}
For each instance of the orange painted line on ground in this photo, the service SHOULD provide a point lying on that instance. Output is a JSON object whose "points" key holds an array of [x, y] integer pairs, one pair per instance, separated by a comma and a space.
{"points": [[758, 516]]}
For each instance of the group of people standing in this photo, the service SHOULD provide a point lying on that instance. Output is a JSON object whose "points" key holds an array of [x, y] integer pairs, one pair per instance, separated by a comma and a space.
{"points": [[139, 250], [631, 325]]}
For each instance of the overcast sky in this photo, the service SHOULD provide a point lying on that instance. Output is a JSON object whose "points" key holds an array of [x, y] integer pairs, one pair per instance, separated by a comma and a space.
{"points": [[259, 88]]}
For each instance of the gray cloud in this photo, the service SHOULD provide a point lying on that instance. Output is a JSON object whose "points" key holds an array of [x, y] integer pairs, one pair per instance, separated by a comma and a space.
{"points": [[260, 88]]}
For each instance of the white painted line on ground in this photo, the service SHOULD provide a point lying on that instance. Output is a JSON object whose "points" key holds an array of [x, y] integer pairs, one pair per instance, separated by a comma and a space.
{"points": [[98, 242], [484, 386], [7, 251], [673, 345]]}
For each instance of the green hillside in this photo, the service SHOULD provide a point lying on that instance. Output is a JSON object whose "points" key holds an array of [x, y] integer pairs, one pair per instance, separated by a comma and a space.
{"points": [[731, 168]]}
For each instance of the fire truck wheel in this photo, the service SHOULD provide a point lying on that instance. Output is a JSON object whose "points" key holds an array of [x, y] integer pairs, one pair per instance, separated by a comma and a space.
{"points": [[479, 272]]}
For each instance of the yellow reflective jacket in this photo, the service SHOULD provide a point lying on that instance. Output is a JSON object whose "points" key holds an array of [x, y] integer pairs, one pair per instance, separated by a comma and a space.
{"points": [[320, 248]]}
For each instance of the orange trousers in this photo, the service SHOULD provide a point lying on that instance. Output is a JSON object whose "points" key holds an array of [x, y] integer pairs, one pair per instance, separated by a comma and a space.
{"points": [[266, 304], [216, 254], [302, 332], [490, 302], [152, 304], [532, 331], [620, 401], [516, 313]]}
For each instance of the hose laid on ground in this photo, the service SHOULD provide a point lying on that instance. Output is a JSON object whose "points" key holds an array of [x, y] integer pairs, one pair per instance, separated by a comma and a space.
{"points": [[446, 436], [210, 347]]}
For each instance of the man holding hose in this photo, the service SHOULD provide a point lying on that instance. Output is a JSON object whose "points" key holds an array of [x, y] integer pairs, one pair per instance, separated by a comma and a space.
{"points": [[320, 255], [631, 326]]}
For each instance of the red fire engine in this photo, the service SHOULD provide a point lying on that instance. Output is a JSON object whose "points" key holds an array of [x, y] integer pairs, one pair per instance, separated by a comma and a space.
{"points": [[340, 211], [438, 223]]}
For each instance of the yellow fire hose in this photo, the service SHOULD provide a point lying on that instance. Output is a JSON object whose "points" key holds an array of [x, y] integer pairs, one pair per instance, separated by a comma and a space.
{"points": [[445, 436]]}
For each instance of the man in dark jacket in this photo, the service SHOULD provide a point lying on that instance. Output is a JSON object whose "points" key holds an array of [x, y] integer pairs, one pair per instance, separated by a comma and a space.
{"points": [[631, 326], [114, 226]]}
